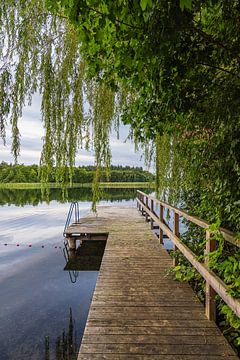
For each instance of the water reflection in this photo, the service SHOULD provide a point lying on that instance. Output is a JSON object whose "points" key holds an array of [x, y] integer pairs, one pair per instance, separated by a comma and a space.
{"points": [[87, 256], [34, 196], [66, 344]]}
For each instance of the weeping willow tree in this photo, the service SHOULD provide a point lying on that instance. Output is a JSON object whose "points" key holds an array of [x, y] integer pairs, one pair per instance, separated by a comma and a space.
{"points": [[40, 52]]}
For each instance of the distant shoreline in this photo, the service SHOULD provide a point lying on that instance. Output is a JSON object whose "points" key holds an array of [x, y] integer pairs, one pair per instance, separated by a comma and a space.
{"points": [[112, 185]]}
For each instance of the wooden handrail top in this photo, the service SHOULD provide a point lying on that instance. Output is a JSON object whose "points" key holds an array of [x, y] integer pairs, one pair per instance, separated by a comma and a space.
{"points": [[227, 234]]}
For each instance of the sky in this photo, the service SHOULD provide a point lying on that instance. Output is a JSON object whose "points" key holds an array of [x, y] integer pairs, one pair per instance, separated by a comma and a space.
{"points": [[32, 132]]}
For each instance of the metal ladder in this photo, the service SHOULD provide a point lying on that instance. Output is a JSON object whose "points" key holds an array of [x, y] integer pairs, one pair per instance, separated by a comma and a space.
{"points": [[74, 209]]}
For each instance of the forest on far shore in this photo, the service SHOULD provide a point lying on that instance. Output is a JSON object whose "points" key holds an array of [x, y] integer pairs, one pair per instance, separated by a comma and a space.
{"points": [[21, 173]]}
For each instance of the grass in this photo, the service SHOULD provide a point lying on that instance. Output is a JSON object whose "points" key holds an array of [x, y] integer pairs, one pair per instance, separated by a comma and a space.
{"points": [[110, 185]]}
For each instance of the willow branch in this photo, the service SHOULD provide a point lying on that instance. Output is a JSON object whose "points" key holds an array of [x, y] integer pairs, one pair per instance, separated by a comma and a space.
{"points": [[114, 19], [219, 68], [210, 39]]}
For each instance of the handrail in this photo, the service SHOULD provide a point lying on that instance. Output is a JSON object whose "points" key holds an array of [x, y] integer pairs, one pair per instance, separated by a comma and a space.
{"points": [[227, 234], [213, 283], [74, 208]]}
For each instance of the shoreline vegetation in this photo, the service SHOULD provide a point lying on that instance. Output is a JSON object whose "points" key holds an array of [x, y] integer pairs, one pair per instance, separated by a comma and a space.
{"points": [[29, 176], [112, 185]]}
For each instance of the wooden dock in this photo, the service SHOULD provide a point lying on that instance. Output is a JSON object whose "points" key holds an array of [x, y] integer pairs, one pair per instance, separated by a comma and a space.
{"points": [[138, 311]]}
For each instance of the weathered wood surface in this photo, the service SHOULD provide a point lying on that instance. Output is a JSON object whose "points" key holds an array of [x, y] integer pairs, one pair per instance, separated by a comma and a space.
{"points": [[138, 311]]}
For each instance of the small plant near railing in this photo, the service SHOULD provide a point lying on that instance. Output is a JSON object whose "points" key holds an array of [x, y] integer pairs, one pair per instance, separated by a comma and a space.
{"points": [[185, 272], [225, 265]]}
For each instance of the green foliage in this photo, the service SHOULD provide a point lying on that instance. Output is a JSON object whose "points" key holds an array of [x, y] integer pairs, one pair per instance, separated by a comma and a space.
{"points": [[224, 261], [85, 174], [184, 273], [185, 4]]}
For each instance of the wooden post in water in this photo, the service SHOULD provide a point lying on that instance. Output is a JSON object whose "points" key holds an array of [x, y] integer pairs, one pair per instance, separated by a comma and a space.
{"points": [[152, 210], [210, 302], [176, 232], [71, 243], [161, 219]]}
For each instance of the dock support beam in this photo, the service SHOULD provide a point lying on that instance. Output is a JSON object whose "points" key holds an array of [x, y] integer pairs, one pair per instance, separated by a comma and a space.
{"points": [[71, 243]]}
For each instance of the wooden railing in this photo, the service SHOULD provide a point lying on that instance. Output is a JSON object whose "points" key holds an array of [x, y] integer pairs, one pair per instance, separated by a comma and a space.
{"points": [[149, 206]]}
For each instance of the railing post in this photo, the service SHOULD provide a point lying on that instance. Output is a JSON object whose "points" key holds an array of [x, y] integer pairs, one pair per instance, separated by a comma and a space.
{"points": [[161, 219], [152, 211], [146, 214], [175, 232], [139, 205], [210, 302], [142, 199]]}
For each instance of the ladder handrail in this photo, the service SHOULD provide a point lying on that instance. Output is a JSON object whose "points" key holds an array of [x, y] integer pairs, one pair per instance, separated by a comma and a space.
{"points": [[74, 206], [73, 274]]}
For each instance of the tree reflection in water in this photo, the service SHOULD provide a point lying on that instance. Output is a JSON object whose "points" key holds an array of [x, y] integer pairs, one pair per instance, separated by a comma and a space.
{"points": [[34, 196], [66, 343]]}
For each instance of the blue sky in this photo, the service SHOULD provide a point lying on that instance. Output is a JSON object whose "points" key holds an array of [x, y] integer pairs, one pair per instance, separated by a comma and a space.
{"points": [[31, 130]]}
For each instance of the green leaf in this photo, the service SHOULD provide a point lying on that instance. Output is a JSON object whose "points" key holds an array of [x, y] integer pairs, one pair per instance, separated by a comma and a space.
{"points": [[185, 4], [143, 4]]}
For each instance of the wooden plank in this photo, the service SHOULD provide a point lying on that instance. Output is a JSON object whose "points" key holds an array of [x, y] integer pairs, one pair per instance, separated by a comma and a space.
{"points": [[146, 315], [152, 357], [171, 339], [183, 323], [165, 304], [161, 349], [152, 330], [145, 300]]}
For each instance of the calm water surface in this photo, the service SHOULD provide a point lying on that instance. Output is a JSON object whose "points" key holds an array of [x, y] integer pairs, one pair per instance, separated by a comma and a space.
{"points": [[42, 313]]}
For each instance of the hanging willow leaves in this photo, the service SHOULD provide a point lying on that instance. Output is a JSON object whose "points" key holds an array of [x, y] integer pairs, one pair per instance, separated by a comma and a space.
{"points": [[40, 51]]}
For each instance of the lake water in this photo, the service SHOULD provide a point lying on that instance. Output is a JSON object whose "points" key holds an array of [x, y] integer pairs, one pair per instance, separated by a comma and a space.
{"points": [[43, 313]]}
